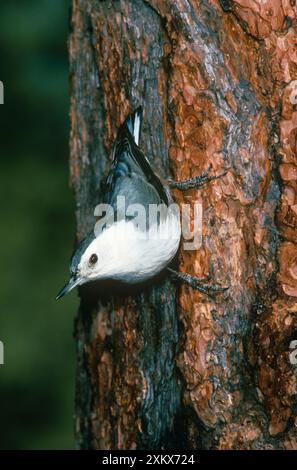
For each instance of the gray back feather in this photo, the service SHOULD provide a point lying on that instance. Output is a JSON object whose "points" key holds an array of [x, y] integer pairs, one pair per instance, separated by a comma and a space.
{"points": [[131, 174]]}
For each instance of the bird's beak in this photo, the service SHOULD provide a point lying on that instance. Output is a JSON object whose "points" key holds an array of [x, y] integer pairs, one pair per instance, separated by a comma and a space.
{"points": [[74, 281]]}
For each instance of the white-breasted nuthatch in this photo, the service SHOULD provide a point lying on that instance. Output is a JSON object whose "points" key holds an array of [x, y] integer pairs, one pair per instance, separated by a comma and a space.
{"points": [[123, 249]]}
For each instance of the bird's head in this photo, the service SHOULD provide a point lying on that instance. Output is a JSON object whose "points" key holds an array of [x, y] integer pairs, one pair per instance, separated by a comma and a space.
{"points": [[86, 264]]}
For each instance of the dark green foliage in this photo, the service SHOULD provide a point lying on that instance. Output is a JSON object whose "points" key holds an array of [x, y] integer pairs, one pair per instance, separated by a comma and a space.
{"points": [[37, 227]]}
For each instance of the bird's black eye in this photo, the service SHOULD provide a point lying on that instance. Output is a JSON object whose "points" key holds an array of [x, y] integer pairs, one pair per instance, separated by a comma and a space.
{"points": [[93, 259]]}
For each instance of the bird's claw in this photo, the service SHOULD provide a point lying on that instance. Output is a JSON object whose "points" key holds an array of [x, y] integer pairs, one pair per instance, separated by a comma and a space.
{"points": [[198, 283], [196, 181]]}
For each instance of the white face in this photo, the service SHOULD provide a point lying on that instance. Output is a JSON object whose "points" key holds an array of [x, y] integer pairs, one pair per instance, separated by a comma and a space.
{"points": [[106, 256], [92, 262]]}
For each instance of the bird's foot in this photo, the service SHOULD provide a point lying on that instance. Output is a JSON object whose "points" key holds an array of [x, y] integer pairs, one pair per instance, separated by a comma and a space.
{"points": [[197, 283], [196, 181]]}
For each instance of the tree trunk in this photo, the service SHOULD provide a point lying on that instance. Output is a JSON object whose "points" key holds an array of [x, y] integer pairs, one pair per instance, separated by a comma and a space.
{"points": [[168, 367]]}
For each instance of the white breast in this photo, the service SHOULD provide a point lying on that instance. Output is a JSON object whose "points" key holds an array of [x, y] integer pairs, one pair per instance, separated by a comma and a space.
{"points": [[134, 255]]}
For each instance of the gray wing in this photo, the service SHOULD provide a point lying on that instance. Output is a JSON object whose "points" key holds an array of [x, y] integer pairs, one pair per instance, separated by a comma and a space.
{"points": [[130, 174]]}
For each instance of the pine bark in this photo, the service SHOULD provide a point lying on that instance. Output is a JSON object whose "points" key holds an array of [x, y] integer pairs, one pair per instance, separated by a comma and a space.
{"points": [[164, 366]]}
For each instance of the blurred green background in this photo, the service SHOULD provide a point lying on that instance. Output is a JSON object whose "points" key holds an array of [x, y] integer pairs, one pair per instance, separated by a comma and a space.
{"points": [[37, 228]]}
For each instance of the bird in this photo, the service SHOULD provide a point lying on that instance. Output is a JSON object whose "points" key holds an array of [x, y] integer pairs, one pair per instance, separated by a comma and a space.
{"points": [[124, 247]]}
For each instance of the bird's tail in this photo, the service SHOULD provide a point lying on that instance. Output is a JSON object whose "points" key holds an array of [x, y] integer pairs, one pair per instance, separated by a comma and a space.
{"points": [[134, 123]]}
